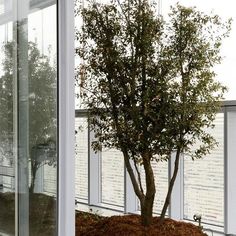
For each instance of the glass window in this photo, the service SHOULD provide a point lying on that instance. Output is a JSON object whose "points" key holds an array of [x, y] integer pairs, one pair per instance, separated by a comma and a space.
{"points": [[160, 170], [7, 128], [204, 181], [112, 177], [81, 159], [28, 117]]}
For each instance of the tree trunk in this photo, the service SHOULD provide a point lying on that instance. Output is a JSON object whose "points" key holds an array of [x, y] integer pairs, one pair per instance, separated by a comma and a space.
{"points": [[33, 177], [171, 185], [146, 200], [146, 210], [147, 203]]}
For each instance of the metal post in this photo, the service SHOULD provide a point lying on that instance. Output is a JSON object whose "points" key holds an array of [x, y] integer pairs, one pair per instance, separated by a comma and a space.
{"points": [[66, 162], [131, 200], [94, 174], [230, 173], [23, 117]]}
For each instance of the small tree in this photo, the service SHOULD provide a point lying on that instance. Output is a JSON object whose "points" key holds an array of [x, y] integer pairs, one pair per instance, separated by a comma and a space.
{"points": [[149, 85], [42, 108]]}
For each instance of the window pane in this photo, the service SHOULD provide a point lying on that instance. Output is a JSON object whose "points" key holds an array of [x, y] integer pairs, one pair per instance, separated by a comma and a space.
{"points": [[160, 170], [112, 177], [81, 159], [204, 182], [7, 129], [161, 179], [28, 117], [42, 117]]}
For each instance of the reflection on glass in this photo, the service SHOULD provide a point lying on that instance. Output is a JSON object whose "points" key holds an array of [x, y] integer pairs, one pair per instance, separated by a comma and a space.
{"points": [[42, 119], [28, 118], [204, 181], [7, 138]]}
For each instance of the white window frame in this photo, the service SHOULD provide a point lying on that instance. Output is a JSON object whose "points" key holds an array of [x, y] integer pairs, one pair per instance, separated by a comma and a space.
{"points": [[66, 173]]}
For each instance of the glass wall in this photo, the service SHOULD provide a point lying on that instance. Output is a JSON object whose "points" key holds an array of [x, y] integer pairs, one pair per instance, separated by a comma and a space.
{"points": [[81, 159], [160, 170], [28, 117], [7, 127], [112, 177], [204, 181]]}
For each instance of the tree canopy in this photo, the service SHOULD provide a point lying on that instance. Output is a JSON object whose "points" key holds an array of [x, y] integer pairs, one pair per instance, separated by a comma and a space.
{"points": [[150, 84]]}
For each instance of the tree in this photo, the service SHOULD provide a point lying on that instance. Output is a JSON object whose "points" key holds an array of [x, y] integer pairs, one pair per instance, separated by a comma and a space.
{"points": [[149, 85], [42, 108]]}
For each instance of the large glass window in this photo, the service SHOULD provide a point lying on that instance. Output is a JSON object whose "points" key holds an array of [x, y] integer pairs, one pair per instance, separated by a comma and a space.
{"points": [[112, 177], [28, 117], [81, 159], [7, 128], [160, 170], [204, 181]]}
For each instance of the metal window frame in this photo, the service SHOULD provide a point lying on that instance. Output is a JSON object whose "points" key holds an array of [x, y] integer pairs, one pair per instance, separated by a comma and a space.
{"points": [[66, 124], [229, 167]]}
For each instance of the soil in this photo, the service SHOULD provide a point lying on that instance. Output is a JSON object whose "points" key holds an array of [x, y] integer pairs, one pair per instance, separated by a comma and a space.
{"points": [[88, 224]]}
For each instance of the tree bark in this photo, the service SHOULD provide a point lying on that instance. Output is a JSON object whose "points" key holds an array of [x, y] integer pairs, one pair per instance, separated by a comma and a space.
{"points": [[146, 200], [146, 211], [147, 204], [33, 177], [171, 185], [137, 190]]}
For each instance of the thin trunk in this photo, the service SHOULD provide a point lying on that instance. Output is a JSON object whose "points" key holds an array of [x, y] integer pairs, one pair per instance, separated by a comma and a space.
{"points": [[33, 177], [147, 200], [137, 190], [147, 204], [171, 185]]}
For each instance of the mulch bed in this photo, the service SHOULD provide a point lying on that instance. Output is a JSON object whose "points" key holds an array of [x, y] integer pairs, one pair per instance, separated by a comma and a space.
{"points": [[88, 224], [43, 221]]}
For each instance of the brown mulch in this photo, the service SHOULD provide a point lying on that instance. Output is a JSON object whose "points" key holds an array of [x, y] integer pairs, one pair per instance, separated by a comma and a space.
{"points": [[88, 224]]}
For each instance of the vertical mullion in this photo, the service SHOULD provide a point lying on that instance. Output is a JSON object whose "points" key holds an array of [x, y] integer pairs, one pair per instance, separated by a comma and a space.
{"points": [[15, 108], [23, 117], [130, 196], [94, 174], [225, 169], [66, 119], [230, 174]]}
